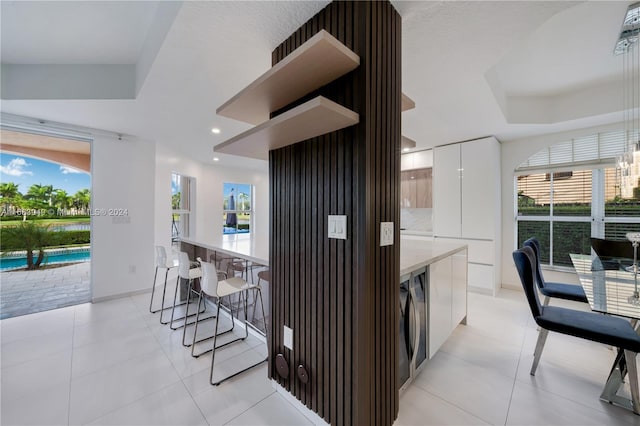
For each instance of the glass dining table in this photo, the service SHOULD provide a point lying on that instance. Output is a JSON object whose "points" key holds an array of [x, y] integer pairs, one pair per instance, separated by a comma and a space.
{"points": [[612, 289]]}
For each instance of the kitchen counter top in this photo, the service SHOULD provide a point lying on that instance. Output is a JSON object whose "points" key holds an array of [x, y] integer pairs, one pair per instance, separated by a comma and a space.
{"points": [[246, 246], [415, 254]]}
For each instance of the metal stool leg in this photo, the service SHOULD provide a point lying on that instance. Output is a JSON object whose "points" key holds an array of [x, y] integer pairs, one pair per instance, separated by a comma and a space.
{"points": [[213, 354], [153, 290], [175, 297], [201, 301]]}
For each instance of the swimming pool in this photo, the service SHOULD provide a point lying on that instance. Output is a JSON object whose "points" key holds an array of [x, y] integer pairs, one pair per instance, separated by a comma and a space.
{"points": [[71, 255]]}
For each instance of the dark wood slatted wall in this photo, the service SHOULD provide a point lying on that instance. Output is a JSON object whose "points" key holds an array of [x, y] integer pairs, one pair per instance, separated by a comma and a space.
{"points": [[340, 297]]}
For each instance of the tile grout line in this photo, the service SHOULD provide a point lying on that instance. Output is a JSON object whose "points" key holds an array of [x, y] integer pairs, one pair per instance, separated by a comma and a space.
{"points": [[150, 394], [192, 396], [515, 379], [454, 405]]}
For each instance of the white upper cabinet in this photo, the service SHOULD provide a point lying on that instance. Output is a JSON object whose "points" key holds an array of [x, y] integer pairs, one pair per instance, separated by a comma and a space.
{"points": [[480, 162], [466, 189], [447, 204]]}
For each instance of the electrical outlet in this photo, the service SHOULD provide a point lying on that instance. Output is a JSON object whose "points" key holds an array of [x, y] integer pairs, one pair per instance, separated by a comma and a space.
{"points": [[386, 234], [288, 337], [132, 269]]}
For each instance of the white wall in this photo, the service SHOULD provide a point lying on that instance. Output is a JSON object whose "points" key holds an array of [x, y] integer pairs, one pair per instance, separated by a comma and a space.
{"points": [[208, 200], [513, 154], [122, 247]]}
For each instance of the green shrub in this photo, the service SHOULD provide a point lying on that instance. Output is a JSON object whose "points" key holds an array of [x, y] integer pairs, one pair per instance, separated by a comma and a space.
{"points": [[65, 238]]}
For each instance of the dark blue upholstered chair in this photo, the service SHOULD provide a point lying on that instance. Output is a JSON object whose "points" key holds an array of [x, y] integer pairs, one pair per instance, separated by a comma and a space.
{"points": [[600, 328], [558, 290]]}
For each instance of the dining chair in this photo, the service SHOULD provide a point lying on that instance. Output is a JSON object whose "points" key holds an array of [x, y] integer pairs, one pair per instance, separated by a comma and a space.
{"points": [[596, 327], [211, 286], [564, 291]]}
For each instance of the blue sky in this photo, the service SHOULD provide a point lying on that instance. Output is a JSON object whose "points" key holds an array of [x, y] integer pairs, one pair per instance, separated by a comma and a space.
{"points": [[26, 171]]}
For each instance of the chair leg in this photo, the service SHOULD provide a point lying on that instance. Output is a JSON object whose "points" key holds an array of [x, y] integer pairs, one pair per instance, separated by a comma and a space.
{"points": [[213, 349], [153, 290], [195, 331], [186, 308], [542, 338], [175, 297], [186, 314], [164, 292], [633, 380]]}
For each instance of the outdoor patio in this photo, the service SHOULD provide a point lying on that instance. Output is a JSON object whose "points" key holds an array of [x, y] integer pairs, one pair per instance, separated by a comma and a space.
{"points": [[26, 292]]}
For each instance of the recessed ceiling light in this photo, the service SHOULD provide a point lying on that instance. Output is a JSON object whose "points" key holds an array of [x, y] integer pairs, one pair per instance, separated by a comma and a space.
{"points": [[216, 159], [405, 149], [215, 130]]}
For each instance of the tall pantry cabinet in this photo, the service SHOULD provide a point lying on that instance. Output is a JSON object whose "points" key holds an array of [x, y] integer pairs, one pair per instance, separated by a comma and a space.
{"points": [[467, 205]]}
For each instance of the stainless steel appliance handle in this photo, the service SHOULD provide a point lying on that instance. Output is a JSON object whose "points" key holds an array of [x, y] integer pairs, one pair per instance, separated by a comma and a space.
{"points": [[416, 317]]}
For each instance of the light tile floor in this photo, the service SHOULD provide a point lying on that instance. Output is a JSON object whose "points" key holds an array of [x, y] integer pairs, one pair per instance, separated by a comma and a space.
{"points": [[26, 292], [111, 363]]}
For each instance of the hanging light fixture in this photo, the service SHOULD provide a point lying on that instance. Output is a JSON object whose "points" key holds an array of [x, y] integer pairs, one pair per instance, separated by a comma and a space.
{"points": [[628, 163]]}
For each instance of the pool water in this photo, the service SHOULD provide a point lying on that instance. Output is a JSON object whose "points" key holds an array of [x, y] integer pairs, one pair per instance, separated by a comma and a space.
{"points": [[7, 263]]}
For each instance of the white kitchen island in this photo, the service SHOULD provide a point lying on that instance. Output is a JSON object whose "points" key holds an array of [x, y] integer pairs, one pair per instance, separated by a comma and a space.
{"points": [[433, 300]]}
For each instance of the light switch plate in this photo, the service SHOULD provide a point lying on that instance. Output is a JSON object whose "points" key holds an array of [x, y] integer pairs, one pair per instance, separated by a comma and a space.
{"points": [[288, 337], [337, 226], [386, 234]]}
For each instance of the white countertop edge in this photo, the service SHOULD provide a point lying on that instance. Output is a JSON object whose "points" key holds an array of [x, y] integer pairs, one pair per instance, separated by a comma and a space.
{"points": [[427, 253]]}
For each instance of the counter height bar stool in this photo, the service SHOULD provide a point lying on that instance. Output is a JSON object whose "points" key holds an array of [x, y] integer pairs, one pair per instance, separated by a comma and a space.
{"points": [[549, 289], [185, 271], [198, 319], [211, 286], [596, 327], [162, 262]]}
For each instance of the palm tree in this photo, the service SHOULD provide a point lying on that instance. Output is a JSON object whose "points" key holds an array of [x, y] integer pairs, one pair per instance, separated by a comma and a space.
{"points": [[30, 237], [244, 201], [81, 199], [61, 199], [8, 190], [40, 194]]}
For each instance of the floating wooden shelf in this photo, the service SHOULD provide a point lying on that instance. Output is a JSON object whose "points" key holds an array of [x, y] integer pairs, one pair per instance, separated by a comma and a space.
{"points": [[407, 143], [407, 103], [313, 118], [318, 61]]}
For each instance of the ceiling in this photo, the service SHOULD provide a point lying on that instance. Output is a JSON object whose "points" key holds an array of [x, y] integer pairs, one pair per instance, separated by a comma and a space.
{"points": [[477, 68]]}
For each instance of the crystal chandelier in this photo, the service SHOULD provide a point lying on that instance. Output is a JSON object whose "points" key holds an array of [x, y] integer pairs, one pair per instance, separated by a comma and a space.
{"points": [[628, 163]]}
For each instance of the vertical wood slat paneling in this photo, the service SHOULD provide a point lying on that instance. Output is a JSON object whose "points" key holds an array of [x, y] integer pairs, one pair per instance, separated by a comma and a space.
{"points": [[340, 296]]}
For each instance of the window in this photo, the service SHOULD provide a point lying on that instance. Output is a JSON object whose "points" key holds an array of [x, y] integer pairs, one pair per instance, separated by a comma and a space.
{"points": [[557, 212], [587, 197], [237, 208], [181, 194]]}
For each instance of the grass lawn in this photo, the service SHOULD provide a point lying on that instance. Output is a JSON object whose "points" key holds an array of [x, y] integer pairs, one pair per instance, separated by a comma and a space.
{"points": [[61, 221]]}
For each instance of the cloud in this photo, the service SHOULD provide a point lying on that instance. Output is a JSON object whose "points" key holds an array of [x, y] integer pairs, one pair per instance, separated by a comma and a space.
{"points": [[16, 167], [67, 170]]}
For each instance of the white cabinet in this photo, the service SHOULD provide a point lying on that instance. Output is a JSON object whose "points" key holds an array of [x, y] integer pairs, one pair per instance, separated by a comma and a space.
{"points": [[480, 186], [447, 299], [467, 205], [416, 160], [439, 304], [447, 199]]}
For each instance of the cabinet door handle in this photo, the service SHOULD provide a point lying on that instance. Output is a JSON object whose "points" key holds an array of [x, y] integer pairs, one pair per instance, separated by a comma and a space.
{"points": [[416, 316]]}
